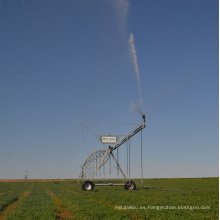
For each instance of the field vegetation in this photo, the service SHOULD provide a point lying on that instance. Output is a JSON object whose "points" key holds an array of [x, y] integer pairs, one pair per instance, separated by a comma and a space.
{"points": [[193, 198]]}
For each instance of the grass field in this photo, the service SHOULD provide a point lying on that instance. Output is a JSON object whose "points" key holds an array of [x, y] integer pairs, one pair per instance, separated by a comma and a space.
{"points": [[194, 198]]}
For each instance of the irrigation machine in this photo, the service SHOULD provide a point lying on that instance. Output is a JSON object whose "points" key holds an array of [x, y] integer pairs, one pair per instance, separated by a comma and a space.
{"points": [[96, 160]]}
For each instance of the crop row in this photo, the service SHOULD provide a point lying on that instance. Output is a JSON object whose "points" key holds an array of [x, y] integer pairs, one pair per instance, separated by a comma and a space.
{"points": [[66, 200], [82, 207], [36, 205], [10, 192], [167, 194]]}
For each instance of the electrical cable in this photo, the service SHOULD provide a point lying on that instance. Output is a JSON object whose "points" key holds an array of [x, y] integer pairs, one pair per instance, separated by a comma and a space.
{"points": [[141, 161]]}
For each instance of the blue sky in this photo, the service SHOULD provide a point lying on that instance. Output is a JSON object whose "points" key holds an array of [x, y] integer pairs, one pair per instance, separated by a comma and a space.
{"points": [[62, 62]]}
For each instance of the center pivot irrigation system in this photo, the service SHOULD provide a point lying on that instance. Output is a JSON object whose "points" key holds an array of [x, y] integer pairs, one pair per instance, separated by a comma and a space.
{"points": [[99, 158]]}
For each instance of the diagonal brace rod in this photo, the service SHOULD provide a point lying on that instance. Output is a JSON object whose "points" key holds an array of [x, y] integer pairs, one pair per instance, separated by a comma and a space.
{"points": [[106, 153], [118, 165]]}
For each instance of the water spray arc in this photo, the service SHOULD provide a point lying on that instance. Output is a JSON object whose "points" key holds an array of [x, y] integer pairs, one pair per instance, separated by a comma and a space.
{"points": [[134, 60]]}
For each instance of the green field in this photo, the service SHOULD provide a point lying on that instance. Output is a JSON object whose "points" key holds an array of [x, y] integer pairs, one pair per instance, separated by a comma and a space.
{"points": [[193, 198]]}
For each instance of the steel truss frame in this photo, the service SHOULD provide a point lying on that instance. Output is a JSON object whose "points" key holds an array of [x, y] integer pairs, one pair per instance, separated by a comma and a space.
{"points": [[100, 157]]}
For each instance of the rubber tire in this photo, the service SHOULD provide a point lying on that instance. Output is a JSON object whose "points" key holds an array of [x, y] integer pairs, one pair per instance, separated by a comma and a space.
{"points": [[88, 185], [130, 185]]}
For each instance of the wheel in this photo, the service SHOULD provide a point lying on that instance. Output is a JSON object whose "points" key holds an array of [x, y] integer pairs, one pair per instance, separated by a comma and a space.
{"points": [[130, 185], [88, 185]]}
